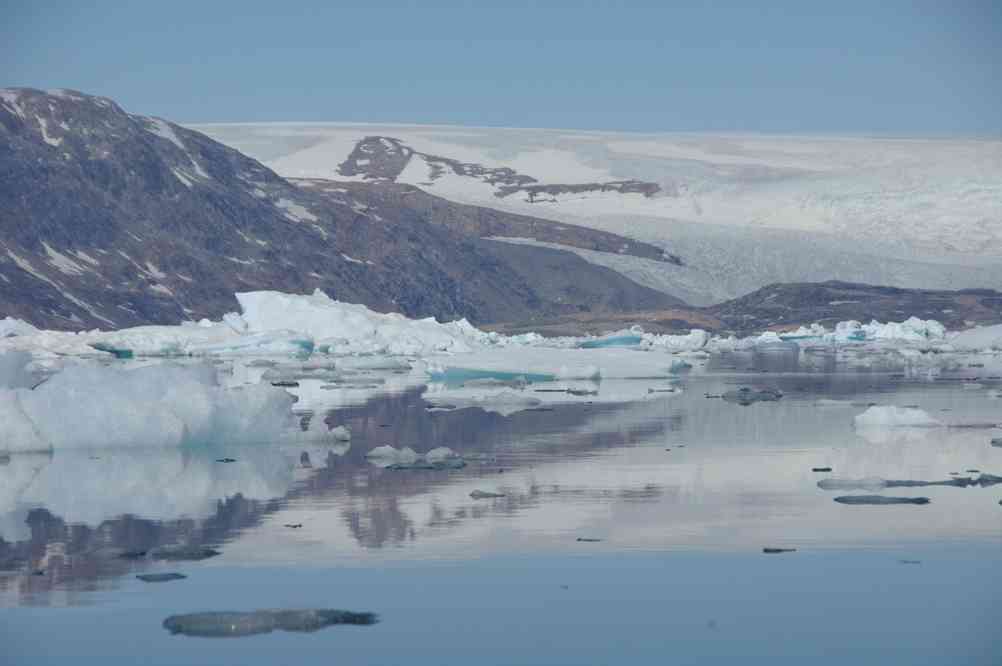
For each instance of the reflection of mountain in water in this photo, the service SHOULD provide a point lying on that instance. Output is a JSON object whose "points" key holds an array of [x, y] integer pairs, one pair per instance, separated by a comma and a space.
{"points": [[67, 519]]}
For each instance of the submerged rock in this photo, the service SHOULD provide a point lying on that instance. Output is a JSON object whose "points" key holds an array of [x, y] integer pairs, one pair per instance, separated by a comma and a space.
{"points": [[880, 500], [481, 494], [160, 577], [746, 396], [232, 624], [874, 483], [184, 553]]}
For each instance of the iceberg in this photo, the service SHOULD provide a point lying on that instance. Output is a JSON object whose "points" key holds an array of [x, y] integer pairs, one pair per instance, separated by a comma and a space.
{"points": [[154, 406], [345, 328], [10, 327], [895, 417], [982, 338]]}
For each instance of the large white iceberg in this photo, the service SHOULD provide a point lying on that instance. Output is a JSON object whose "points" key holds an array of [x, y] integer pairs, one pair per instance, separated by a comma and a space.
{"points": [[156, 406], [982, 338], [350, 328]]}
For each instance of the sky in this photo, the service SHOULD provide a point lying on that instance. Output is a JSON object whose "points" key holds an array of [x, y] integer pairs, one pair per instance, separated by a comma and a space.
{"points": [[912, 68]]}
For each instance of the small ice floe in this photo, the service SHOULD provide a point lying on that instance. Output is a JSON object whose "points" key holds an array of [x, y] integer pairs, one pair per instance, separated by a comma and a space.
{"points": [[340, 433], [895, 417], [160, 577], [879, 500], [746, 396], [482, 494], [232, 624]]}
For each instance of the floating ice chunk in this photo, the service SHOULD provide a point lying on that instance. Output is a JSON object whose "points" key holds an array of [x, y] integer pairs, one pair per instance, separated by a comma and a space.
{"points": [[340, 433], [155, 406], [347, 328], [14, 371], [629, 340], [440, 454], [458, 376], [10, 327], [695, 340], [386, 456], [982, 338], [203, 339], [895, 417]]}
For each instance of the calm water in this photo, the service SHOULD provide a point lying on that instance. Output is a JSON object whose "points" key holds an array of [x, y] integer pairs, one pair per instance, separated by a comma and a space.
{"points": [[680, 493]]}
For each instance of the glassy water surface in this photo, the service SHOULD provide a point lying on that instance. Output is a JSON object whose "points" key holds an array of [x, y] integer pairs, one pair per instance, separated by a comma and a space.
{"points": [[580, 532]]}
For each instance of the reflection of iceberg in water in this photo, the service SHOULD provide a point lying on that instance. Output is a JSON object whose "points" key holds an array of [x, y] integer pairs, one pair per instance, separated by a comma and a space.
{"points": [[671, 471], [89, 488]]}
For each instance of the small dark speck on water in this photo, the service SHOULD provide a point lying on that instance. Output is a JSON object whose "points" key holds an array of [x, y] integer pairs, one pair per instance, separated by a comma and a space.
{"points": [[294, 526], [771, 551], [226, 460], [909, 561], [821, 469], [588, 540]]}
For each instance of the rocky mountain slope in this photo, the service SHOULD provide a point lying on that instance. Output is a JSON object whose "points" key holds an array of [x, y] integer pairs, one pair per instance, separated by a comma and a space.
{"points": [[109, 219], [782, 306]]}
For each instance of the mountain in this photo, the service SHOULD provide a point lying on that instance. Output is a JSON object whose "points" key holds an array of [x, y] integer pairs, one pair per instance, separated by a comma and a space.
{"points": [[783, 306], [109, 219], [742, 211]]}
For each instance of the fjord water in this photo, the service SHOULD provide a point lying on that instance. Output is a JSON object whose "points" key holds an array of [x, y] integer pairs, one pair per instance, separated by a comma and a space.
{"points": [[628, 532]]}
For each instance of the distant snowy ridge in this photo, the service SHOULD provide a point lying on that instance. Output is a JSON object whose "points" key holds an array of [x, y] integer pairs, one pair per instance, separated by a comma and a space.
{"points": [[743, 211]]}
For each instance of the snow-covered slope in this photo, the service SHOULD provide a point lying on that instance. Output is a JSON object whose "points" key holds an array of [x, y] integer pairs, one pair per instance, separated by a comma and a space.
{"points": [[742, 211]]}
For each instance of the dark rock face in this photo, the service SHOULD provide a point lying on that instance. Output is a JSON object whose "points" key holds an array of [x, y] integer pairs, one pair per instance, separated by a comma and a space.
{"points": [[383, 159], [789, 305], [482, 222], [109, 219]]}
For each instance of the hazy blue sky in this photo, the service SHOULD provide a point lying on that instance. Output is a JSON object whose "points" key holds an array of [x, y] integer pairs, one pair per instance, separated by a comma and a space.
{"points": [[897, 67]]}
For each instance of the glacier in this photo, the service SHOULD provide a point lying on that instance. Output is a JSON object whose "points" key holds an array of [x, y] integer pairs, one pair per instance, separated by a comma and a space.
{"points": [[742, 210]]}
